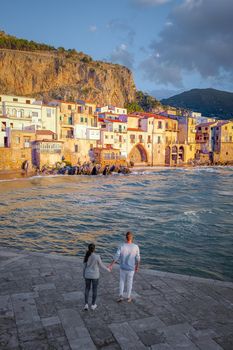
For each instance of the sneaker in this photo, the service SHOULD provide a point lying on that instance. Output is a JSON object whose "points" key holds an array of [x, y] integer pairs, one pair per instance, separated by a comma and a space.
{"points": [[86, 307], [93, 307], [120, 299]]}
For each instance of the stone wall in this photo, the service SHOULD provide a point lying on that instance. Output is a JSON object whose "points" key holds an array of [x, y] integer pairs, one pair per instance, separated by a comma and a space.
{"points": [[12, 159]]}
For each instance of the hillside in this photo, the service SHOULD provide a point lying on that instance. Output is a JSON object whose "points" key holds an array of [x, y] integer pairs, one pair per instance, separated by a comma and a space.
{"points": [[32, 69], [210, 102]]}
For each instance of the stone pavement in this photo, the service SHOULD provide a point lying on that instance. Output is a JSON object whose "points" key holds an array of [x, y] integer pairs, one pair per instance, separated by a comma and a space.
{"points": [[41, 307]]}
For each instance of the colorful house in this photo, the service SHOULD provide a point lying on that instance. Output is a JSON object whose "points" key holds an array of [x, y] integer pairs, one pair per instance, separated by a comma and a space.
{"points": [[222, 141]]}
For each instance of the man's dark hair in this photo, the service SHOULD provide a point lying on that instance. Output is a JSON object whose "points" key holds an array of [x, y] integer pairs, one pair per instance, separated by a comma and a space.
{"points": [[129, 235]]}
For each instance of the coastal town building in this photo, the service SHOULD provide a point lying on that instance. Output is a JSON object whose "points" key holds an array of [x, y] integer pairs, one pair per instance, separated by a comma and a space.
{"points": [[79, 132], [24, 113], [46, 152], [222, 141]]}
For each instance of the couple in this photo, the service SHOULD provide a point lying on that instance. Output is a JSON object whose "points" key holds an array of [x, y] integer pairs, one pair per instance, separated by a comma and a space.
{"points": [[129, 256]]}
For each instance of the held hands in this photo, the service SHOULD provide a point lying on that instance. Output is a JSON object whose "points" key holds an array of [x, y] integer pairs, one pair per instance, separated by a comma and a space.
{"points": [[110, 267]]}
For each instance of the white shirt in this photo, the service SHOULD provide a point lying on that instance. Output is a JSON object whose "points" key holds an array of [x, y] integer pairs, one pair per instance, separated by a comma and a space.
{"points": [[129, 254]]}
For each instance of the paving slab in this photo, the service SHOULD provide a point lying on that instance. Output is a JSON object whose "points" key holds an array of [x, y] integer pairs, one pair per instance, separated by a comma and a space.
{"points": [[42, 299]]}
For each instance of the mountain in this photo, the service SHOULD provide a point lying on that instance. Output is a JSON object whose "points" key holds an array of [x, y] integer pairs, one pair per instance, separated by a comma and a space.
{"points": [[32, 69], [210, 102]]}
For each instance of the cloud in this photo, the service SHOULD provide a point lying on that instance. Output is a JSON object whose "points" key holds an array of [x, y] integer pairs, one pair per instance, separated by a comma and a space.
{"points": [[93, 28], [151, 2], [121, 55], [198, 41], [122, 27]]}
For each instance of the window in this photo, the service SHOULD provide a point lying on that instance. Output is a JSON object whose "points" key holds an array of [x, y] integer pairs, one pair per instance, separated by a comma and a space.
{"points": [[120, 138], [17, 139], [159, 124], [206, 128], [3, 126], [230, 138], [106, 137], [166, 125], [0, 99], [79, 109], [226, 153], [28, 102], [69, 107], [14, 112], [35, 114], [90, 110], [149, 139], [20, 113], [81, 119], [132, 138], [225, 127], [15, 99], [11, 125], [49, 112], [199, 128], [159, 139], [85, 120], [111, 136], [76, 148], [190, 147], [140, 139]]}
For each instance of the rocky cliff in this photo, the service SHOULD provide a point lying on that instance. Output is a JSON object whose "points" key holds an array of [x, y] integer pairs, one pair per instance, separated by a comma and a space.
{"points": [[64, 75]]}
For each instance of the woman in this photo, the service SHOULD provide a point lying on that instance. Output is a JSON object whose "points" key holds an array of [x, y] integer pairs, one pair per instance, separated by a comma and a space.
{"points": [[91, 273]]}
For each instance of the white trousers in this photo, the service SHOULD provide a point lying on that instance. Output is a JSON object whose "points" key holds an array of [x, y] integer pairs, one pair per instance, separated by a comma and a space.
{"points": [[126, 276]]}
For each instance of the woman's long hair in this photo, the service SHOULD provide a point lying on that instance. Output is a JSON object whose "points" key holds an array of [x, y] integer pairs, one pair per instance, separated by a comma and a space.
{"points": [[91, 249]]}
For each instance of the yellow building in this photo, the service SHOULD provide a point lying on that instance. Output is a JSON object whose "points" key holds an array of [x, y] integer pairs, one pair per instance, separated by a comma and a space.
{"points": [[152, 139], [222, 142], [187, 137]]}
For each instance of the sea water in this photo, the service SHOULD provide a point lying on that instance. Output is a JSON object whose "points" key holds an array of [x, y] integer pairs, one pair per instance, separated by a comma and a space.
{"points": [[182, 218]]}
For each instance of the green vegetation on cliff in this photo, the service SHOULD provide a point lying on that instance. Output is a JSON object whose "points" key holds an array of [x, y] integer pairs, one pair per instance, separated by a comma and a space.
{"points": [[144, 102], [11, 42]]}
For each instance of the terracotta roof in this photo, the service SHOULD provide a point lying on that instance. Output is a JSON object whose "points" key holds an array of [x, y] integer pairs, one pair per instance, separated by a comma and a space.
{"points": [[223, 122], [45, 140], [110, 120], [147, 115], [45, 132]]}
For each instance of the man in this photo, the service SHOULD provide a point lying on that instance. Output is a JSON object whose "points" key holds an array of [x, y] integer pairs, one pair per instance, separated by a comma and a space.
{"points": [[129, 256]]}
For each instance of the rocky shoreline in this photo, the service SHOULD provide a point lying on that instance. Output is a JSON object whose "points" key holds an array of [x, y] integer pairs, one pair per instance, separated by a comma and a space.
{"points": [[74, 170]]}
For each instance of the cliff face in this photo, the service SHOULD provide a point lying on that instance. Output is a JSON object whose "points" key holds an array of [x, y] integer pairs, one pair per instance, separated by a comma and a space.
{"points": [[65, 76]]}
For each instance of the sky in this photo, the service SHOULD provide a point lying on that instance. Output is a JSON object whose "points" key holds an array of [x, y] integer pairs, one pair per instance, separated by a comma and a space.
{"points": [[170, 45]]}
